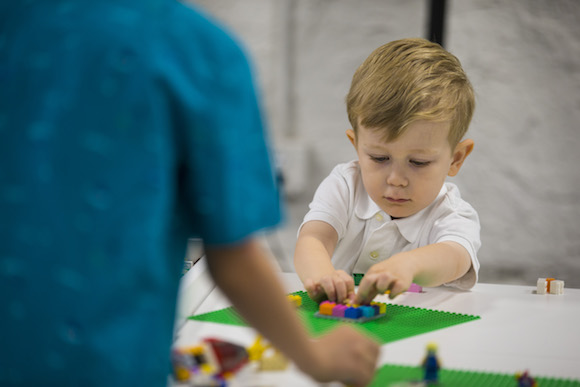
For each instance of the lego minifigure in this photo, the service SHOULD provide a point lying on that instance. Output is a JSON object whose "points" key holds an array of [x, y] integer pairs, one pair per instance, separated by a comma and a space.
{"points": [[431, 365], [525, 380]]}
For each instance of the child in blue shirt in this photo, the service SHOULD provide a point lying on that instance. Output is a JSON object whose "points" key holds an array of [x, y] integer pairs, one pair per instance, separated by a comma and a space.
{"points": [[127, 126]]}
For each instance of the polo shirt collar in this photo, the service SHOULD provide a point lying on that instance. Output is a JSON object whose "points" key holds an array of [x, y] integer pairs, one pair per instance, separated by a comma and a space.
{"points": [[409, 227]]}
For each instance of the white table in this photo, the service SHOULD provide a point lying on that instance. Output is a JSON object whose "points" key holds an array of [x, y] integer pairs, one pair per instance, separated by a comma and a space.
{"points": [[519, 330]]}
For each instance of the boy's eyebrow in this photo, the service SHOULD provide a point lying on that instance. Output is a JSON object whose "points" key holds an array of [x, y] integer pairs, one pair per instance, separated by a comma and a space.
{"points": [[426, 151], [422, 151]]}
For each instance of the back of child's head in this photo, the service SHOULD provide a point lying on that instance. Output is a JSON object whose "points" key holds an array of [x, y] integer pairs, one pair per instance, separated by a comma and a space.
{"points": [[409, 80]]}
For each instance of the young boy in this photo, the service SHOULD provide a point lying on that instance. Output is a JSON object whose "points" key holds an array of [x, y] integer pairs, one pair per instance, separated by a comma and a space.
{"points": [[390, 214]]}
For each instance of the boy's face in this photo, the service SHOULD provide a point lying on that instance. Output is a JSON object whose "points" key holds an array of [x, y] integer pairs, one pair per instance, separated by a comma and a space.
{"points": [[404, 176]]}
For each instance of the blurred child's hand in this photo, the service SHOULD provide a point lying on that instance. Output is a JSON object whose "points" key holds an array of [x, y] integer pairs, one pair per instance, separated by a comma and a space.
{"points": [[344, 355], [383, 276], [337, 287]]}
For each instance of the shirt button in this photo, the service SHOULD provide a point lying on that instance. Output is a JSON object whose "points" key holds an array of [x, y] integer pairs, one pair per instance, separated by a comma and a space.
{"points": [[379, 217], [374, 255]]}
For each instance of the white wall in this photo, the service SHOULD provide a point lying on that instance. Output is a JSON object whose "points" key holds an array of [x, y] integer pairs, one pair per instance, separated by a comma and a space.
{"points": [[523, 58]]}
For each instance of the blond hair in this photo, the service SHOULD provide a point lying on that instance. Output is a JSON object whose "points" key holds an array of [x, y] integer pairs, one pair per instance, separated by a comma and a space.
{"points": [[409, 80]]}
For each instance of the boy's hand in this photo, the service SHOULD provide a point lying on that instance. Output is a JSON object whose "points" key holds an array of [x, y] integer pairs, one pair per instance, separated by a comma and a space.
{"points": [[343, 355], [337, 287], [383, 276]]}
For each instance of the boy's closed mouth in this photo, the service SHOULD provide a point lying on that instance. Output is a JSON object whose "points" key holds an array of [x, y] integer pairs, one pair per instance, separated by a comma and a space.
{"points": [[396, 200]]}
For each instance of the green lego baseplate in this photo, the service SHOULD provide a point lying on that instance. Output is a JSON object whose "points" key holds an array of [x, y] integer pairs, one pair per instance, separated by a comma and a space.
{"points": [[391, 375], [399, 322]]}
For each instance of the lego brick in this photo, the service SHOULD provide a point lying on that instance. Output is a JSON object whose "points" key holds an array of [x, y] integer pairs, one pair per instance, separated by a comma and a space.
{"points": [[381, 305], [275, 362], [414, 288], [352, 312], [357, 278], [295, 299], [557, 287], [326, 308], [339, 310], [367, 311], [541, 286]]}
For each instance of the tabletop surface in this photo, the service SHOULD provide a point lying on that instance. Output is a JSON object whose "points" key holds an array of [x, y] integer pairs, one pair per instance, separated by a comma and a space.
{"points": [[518, 330]]}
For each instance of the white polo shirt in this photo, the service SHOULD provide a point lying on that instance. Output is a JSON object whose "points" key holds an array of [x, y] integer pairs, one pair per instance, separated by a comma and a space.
{"points": [[367, 235]]}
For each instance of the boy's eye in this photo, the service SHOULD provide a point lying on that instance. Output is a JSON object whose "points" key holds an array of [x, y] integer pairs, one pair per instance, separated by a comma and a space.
{"points": [[379, 159], [418, 163]]}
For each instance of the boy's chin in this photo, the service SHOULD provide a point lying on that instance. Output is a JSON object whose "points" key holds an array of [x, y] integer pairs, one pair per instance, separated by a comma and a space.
{"points": [[401, 214]]}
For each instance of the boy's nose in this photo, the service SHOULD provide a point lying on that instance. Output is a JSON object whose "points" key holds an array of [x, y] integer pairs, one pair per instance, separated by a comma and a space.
{"points": [[396, 177]]}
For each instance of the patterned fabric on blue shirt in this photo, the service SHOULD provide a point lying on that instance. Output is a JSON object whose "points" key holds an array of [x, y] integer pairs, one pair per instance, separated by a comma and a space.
{"points": [[126, 127]]}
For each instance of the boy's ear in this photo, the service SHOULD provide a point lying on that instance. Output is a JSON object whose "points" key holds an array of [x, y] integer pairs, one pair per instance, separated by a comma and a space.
{"points": [[351, 137], [462, 150]]}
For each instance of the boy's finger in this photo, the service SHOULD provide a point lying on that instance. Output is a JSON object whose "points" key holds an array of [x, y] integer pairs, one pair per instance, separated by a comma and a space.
{"points": [[310, 286], [396, 289], [366, 290], [348, 286], [314, 291], [384, 282], [328, 286], [366, 299], [341, 290], [349, 282]]}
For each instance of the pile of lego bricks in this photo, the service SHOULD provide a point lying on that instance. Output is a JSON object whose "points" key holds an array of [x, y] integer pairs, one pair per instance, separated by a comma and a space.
{"points": [[399, 322], [351, 313]]}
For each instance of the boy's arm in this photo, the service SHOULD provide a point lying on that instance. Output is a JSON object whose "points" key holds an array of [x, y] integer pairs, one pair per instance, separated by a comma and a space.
{"points": [[431, 265], [243, 273], [314, 248], [312, 260]]}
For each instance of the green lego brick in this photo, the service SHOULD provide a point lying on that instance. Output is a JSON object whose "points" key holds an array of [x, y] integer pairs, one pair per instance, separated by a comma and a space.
{"points": [[399, 376], [399, 321], [357, 278]]}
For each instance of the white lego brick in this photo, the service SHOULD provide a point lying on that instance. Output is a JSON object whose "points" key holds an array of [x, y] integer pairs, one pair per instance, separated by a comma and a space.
{"points": [[542, 286], [557, 287]]}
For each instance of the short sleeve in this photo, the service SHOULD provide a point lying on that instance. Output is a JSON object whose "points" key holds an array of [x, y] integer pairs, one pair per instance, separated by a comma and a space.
{"points": [[459, 223], [332, 201], [227, 182]]}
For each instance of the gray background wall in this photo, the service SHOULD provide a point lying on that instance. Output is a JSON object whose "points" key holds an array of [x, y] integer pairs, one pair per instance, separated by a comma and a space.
{"points": [[523, 58]]}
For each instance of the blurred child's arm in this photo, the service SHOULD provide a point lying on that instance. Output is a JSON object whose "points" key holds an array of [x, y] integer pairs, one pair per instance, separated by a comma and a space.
{"points": [[243, 273], [430, 265], [312, 260]]}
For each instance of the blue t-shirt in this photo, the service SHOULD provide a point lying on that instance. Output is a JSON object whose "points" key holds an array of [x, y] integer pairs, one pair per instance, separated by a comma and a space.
{"points": [[126, 126]]}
